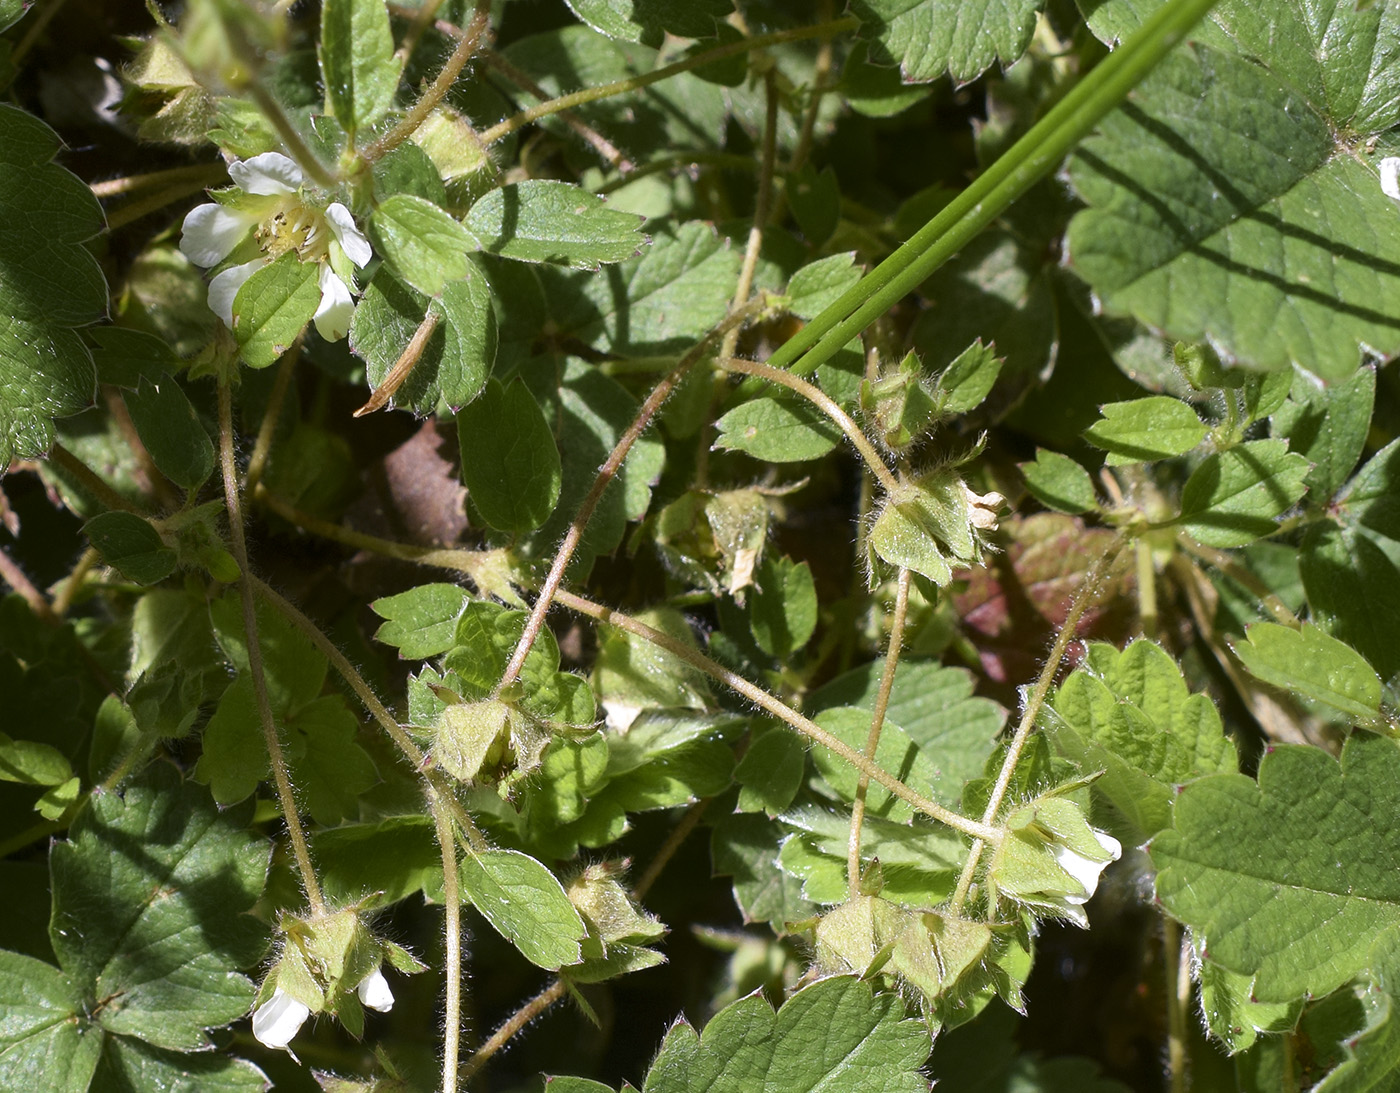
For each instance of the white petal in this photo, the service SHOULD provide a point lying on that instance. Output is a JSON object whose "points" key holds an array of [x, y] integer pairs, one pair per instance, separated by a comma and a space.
{"points": [[224, 287], [211, 232], [333, 317], [278, 1019], [1390, 176], [374, 992], [1083, 870], [619, 715], [269, 173], [352, 241]]}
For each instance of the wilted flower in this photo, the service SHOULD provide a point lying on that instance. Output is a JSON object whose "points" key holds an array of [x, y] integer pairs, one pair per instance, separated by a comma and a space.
{"points": [[280, 218], [374, 992], [280, 1018]]}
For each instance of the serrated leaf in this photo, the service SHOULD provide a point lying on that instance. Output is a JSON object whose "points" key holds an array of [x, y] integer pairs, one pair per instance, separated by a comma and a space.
{"points": [[896, 752], [1234, 496], [129, 544], [770, 773], [421, 622], [927, 38], [526, 905], [328, 765], [124, 356], [649, 21], [510, 463], [543, 220], [358, 65], [159, 934], [1146, 429], [782, 607], [457, 357], [171, 431], [834, 1034], [821, 283], [670, 758], [1353, 587], [1246, 228], [43, 1044], [381, 862], [1131, 715], [49, 283], [1059, 483], [273, 306], [745, 847], [777, 429], [1289, 879], [1310, 662], [968, 380], [425, 245], [1372, 1054], [1232, 1016], [1327, 426], [130, 1064]]}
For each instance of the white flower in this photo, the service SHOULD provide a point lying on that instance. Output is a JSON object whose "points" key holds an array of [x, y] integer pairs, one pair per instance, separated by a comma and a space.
{"points": [[1390, 177], [374, 992], [273, 210], [1085, 870], [278, 1019]]}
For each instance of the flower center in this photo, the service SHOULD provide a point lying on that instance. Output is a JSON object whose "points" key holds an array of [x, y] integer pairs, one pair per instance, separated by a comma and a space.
{"points": [[295, 227]]}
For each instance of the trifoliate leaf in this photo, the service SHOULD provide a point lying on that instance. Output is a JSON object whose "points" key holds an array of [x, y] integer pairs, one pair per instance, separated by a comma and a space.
{"points": [[426, 246], [421, 622], [1310, 662], [49, 283], [1146, 429], [770, 773], [1251, 228], [457, 358], [510, 463], [1130, 715], [649, 21], [273, 306], [1059, 483], [834, 1034], [130, 545], [547, 221], [1289, 879], [527, 906], [358, 65], [927, 37], [1234, 496], [156, 937]]}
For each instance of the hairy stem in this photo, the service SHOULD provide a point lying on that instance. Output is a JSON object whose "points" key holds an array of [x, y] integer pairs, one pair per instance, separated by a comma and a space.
{"points": [[1087, 594], [280, 779], [761, 698], [512, 1025], [826, 405], [636, 83], [1176, 954], [89, 480], [452, 970], [659, 394], [16, 578], [393, 379], [877, 722]]}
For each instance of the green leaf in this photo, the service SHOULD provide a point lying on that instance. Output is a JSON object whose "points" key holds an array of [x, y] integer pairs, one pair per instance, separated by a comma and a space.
{"points": [[510, 463], [968, 380], [421, 622], [926, 37], [49, 283], [1234, 496], [746, 848], [834, 1034], [426, 246], [273, 307], [777, 429], [1307, 661], [771, 771], [328, 766], [32, 763], [124, 356], [171, 431], [526, 905], [130, 545], [630, 672], [1372, 1056], [457, 359], [1131, 715], [1059, 483], [649, 21], [1232, 1016], [815, 198], [1246, 228], [358, 65], [157, 935], [1146, 429], [896, 753], [381, 862], [542, 220], [1327, 426], [44, 1045], [819, 284], [1353, 587], [782, 607], [129, 1065], [1289, 880]]}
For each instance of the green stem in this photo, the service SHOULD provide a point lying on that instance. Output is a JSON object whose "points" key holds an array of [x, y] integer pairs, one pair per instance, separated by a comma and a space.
{"points": [[452, 970], [636, 83], [89, 480], [300, 152], [300, 850], [877, 722], [1030, 159], [826, 405], [759, 697], [512, 1025], [1087, 594]]}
